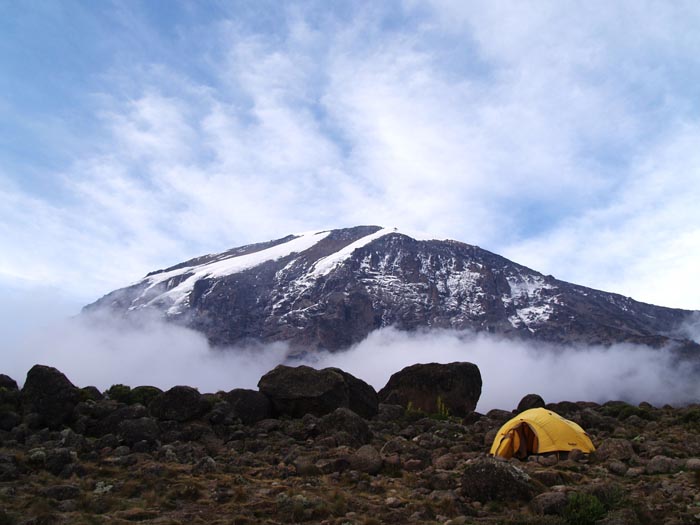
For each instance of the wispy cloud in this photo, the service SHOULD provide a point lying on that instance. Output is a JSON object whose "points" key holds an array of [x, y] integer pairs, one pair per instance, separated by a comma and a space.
{"points": [[559, 134]]}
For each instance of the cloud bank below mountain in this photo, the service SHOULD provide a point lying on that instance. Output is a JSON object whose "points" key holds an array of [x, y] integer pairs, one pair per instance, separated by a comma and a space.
{"points": [[101, 351]]}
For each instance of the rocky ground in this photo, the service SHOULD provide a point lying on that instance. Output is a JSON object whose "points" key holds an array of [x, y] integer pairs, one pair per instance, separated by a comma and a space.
{"points": [[70, 455]]}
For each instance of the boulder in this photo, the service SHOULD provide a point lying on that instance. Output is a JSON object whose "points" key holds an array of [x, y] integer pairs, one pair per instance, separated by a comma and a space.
{"points": [[49, 394], [549, 503], [662, 465], [8, 383], [142, 429], [345, 420], [366, 459], [250, 406], [614, 448], [452, 388], [530, 401], [61, 492], [296, 391], [180, 403], [489, 479], [362, 398]]}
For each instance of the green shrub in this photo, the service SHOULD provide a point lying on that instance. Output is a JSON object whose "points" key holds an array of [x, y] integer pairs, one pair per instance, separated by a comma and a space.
{"points": [[121, 393], [583, 509], [144, 394]]}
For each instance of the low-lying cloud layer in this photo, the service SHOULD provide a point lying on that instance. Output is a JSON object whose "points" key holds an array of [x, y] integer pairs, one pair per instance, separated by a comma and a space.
{"points": [[101, 351]]}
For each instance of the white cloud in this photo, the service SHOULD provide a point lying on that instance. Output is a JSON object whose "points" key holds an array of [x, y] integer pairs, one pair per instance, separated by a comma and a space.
{"points": [[100, 350], [559, 134]]}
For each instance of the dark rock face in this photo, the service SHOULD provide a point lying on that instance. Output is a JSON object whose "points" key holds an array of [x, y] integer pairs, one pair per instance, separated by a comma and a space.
{"points": [[362, 398], [455, 386], [7, 382], [389, 279], [249, 406], [530, 401], [49, 394], [489, 479], [180, 403], [296, 391]]}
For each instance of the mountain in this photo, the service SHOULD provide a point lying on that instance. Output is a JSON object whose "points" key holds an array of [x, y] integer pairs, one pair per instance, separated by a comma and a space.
{"points": [[330, 289]]}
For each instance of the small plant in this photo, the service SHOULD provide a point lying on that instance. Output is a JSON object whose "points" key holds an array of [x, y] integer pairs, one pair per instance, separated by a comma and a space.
{"points": [[583, 509], [144, 394], [443, 412], [119, 392]]}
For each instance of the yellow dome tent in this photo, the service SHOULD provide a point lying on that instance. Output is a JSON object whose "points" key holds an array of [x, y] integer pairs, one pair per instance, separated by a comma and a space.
{"points": [[538, 431]]}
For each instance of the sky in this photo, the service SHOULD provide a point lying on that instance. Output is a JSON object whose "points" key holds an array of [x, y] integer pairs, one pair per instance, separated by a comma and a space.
{"points": [[138, 134]]}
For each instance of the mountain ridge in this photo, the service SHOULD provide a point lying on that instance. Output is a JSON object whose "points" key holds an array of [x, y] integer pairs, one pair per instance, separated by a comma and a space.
{"points": [[329, 289]]}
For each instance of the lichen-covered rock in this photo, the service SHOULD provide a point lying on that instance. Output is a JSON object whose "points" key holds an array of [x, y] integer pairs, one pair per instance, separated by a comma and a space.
{"points": [[614, 448], [549, 503], [50, 395], [366, 459], [452, 388], [489, 479], [662, 465]]}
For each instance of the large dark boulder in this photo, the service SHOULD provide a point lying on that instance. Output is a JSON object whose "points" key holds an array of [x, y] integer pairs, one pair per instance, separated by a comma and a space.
{"points": [[8, 383], [530, 401], [250, 406], [433, 388], [489, 479], [49, 394], [296, 391], [362, 398], [180, 403], [9, 403]]}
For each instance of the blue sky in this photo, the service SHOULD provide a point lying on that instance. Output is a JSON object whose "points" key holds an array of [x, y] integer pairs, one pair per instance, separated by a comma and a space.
{"points": [[134, 135]]}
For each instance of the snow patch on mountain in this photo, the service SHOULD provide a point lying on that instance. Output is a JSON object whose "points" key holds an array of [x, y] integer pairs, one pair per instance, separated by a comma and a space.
{"points": [[178, 295], [326, 265]]}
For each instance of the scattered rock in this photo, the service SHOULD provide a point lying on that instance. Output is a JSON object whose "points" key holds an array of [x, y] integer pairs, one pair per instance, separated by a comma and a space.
{"points": [[61, 492], [454, 388], [693, 464], [366, 459], [488, 479], [8, 468], [617, 467], [614, 448], [345, 420], [662, 465], [549, 503]]}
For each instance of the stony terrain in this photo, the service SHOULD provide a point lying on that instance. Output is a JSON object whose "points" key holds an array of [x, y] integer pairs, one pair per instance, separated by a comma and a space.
{"points": [[76, 455], [330, 289]]}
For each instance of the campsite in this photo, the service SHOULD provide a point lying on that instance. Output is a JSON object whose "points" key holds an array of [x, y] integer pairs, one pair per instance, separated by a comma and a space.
{"points": [[181, 457]]}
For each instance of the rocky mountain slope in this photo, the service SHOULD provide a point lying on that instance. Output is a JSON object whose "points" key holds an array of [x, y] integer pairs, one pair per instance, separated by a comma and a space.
{"points": [[330, 289], [77, 455]]}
